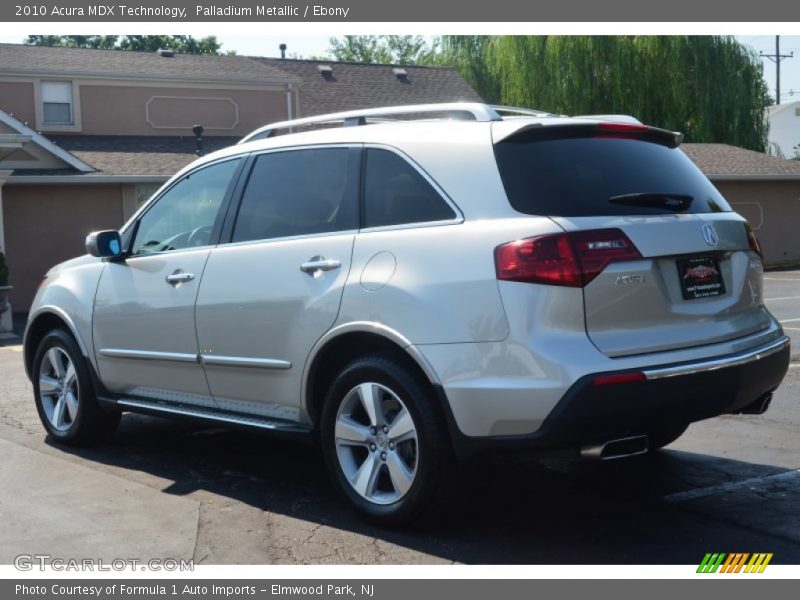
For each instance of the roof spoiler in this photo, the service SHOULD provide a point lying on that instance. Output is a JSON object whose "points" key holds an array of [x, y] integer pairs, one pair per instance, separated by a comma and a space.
{"points": [[632, 129]]}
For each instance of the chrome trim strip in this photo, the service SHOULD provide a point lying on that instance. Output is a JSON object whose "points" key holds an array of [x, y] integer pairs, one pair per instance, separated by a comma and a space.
{"points": [[261, 423], [147, 355], [719, 363], [240, 361]]}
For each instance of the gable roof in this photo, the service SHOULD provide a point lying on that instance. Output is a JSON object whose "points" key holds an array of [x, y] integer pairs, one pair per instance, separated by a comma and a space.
{"points": [[38, 139], [351, 86], [136, 155], [20, 58], [722, 161]]}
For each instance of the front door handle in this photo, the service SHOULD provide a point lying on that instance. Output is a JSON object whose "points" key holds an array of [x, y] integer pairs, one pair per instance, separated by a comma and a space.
{"points": [[179, 277], [319, 263]]}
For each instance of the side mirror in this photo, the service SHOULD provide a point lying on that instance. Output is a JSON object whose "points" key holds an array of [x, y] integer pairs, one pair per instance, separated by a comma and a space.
{"points": [[104, 244]]}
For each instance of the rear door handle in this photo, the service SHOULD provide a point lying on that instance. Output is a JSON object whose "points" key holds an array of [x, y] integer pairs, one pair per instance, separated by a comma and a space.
{"points": [[179, 277], [319, 263]]}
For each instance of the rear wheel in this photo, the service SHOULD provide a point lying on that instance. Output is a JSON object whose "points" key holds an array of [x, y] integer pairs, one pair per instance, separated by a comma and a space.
{"points": [[65, 398], [384, 443]]}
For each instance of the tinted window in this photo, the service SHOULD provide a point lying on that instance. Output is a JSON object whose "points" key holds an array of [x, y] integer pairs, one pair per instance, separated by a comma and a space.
{"points": [[184, 216], [300, 192], [395, 193], [576, 177]]}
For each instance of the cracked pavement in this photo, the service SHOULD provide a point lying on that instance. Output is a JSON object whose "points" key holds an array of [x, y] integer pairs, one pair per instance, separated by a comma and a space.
{"points": [[163, 489]]}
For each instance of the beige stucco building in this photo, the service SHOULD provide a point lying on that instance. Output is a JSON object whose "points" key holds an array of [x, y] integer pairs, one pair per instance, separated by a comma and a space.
{"points": [[764, 189], [86, 136]]}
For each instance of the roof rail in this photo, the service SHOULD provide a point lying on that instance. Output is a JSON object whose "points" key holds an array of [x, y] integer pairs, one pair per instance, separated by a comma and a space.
{"points": [[473, 111]]}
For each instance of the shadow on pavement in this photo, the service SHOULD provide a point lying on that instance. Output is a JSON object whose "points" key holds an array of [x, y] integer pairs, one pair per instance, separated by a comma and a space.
{"points": [[501, 511]]}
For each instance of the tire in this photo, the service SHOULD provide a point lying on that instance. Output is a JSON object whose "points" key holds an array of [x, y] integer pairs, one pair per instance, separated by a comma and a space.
{"points": [[665, 436], [392, 475], [64, 394]]}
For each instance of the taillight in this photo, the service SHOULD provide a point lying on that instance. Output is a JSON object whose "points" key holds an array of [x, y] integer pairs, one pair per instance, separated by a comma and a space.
{"points": [[600, 247], [546, 259], [568, 259], [752, 240]]}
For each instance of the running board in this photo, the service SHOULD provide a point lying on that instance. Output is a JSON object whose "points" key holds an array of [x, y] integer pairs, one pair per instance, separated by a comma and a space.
{"points": [[211, 415]]}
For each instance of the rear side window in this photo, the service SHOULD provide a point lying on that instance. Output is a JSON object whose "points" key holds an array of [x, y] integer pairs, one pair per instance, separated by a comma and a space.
{"points": [[300, 192], [579, 176], [395, 193]]}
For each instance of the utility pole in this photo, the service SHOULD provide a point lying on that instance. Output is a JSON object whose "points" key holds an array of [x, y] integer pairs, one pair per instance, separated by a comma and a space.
{"points": [[777, 58]]}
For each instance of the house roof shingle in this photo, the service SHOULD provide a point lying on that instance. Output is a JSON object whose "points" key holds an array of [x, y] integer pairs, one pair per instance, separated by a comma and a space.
{"points": [[731, 161], [165, 155], [352, 86], [160, 156], [69, 61]]}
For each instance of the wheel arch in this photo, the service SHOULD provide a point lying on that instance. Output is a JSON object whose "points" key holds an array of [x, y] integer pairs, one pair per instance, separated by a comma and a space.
{"points": [[46, 319], [345, 342]]}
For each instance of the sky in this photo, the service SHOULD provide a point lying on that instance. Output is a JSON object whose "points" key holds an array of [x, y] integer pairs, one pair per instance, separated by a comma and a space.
{"points": [[302, 46], [790, 67]]}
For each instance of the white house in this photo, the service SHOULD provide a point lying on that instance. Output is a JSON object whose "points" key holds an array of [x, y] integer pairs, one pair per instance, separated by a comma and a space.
{"points": [[784, 129]]}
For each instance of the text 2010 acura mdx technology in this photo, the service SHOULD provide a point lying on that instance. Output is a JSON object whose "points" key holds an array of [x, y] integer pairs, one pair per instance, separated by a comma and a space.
{"points": [[418, 289]]}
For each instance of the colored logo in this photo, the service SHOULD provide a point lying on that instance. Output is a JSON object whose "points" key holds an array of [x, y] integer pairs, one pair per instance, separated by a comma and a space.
{"points": [[700, 273], [737, 562]]}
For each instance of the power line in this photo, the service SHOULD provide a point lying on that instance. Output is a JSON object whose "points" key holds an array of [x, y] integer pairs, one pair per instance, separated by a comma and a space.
{"points": [[777, 58]]}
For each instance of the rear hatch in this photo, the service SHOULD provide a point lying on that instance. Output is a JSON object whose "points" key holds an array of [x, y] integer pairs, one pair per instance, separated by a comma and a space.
{"points": [[665, 263]]}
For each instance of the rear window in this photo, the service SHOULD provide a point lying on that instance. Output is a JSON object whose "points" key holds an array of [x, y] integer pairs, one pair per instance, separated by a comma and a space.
{"points": [[577, 176]]}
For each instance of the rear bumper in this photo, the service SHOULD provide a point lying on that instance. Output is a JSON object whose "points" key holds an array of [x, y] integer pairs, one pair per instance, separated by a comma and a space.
{"points": [[670, 395]]}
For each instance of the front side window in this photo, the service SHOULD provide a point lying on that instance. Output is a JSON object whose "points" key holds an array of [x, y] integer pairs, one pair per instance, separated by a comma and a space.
{"points": [[395, 193], [184, 216], [57, 103], [300, 192]]}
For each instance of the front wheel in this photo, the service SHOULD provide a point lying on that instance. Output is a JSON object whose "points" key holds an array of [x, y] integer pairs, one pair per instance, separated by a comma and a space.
{"points": [[65, 397], [384, 442]]}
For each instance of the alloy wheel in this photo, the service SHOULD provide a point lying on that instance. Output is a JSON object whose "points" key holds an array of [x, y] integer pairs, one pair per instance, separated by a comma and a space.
{"points": [[376, 443], [58, 388]]}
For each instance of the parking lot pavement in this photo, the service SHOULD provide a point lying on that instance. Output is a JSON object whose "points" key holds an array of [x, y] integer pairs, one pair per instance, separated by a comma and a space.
{"points": [[782, 297], [162, 489]]}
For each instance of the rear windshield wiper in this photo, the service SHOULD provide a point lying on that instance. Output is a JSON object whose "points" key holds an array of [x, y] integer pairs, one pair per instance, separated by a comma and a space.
{"points": [[676, 202]]}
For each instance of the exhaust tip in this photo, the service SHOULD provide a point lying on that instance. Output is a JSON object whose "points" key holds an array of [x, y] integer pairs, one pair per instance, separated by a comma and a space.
{"points": [[759, 407], [620, 448]]}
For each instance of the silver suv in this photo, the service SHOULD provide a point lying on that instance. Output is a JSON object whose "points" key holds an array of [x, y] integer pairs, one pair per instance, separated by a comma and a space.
{"points": [[409, 290]]}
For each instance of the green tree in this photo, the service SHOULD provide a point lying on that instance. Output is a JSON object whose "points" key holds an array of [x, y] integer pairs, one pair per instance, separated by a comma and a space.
{"points": [[106, 42], [470, 55], [709, 87], [393, 49], [184, 44]]}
